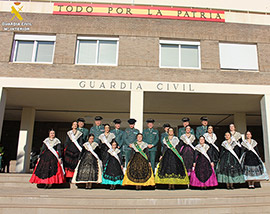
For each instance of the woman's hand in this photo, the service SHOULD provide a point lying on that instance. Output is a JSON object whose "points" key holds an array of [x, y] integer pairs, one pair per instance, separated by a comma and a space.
{"points": [[130, 145], [212, 164], [149, 164], [160, 158]]}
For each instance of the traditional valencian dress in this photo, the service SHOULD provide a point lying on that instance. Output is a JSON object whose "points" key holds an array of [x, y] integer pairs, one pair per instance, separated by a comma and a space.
{"points": [[229, 169], [89, 168], [171, 169], [210, 140], [187, 151], [48, 169], [113, 173], [105, 145], [237, 137], [138, 170], [72, 150], [203, 175], [254, 169]]}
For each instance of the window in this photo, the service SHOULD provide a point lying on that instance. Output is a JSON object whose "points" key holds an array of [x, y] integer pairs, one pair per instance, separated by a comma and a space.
{"points": [[179, 54], [238, 56], [97, 51], [33, 48]]}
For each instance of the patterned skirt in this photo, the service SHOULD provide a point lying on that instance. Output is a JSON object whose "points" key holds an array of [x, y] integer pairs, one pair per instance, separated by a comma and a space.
{"points": [[48, 170], [253, 170], [88, 170], [139, 172], [229, 169], [171, 170], [203, 175], [112, 173]]}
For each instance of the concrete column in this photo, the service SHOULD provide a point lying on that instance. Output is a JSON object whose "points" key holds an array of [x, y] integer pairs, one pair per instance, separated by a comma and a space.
{"points": [[240, 122], [136, 108], [3, 98], [265, 114], [25, 140]]}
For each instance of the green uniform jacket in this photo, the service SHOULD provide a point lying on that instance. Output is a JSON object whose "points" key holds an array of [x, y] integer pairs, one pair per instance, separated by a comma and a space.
{"points": [[163, 135], [85, 133], [97, 130], [182, 131], [151, 136], [200, 130], [130, 136], [118, 136]]}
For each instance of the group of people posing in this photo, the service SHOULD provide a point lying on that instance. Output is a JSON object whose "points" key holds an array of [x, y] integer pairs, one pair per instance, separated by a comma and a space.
{"points": [[189, 159]]}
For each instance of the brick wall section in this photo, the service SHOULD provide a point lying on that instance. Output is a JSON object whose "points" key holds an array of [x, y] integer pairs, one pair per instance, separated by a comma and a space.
{"points": [[264, 57], [65, 49], [209, 54], [6, 39], [138, 51]]}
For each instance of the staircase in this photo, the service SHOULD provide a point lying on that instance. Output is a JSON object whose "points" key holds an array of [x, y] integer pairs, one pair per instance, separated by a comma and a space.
{"points": [[19, 196]]}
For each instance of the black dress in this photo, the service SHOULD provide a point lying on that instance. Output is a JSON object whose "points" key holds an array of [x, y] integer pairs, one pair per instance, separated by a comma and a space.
{"points": [[187, 151], [237, 137], [72, 153], [139, 172], [48, 169], [252, 164], [89, 168], [103, 147], [229, 169], [203, 174], [171, 169], [113, 173], [213, 147]]}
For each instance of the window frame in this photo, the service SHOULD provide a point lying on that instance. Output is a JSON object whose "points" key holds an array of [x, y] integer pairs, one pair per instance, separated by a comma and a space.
{"points": [[35, 39], [239, 69], [97, 39], [180, 43]]}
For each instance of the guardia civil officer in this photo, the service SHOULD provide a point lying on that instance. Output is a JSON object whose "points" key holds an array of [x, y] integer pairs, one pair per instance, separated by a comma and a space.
{"points": [[129, 137], [151, 137], [182, 130], [201, 130], [83, 130], [118, 133], [97, 129]]}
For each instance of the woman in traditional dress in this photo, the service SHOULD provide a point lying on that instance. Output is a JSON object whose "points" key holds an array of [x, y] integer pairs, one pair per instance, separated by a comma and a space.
{"points": [[229, 169], [211, 138], [139, 171], [187, 149], [254, 169], [237, 137], [203, 174], [171, 169], [72, 150], [89, 168], [105, 142], [49, 169], [113, 170]]}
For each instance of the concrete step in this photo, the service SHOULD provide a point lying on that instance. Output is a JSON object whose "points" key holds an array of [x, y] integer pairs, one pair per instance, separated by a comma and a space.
{"points": [[19, 196], [130, 202], [37, 209]]}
